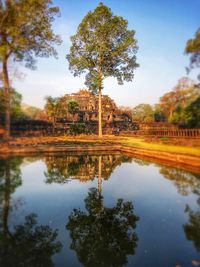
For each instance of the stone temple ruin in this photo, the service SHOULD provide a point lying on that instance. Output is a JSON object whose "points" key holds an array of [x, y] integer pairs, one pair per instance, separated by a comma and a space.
{"points": [[112, 116]]}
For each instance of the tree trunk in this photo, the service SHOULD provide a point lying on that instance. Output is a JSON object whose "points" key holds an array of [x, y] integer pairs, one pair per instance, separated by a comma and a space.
{"points": [[170, 114], [100, 115], [99, 174], [54, 122], [7, 98], [6, 201]]}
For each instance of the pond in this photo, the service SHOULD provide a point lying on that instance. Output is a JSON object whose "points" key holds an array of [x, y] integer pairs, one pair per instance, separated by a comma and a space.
{"points": [[97, 210]]}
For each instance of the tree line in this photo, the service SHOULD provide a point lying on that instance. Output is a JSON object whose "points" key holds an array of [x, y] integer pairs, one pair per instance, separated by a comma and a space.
{"points": [[180, 106], [102, 47]]}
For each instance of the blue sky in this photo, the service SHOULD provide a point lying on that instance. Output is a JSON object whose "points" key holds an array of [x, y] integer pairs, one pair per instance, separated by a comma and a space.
{"points": [[162, 29]]}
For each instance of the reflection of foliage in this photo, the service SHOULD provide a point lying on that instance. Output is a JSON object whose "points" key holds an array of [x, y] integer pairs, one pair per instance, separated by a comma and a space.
{"points": [[29, 245], [10, 167], [184, 181], [10, 179], [141, 162], [103, 236], [61, 168], [192, 229]]}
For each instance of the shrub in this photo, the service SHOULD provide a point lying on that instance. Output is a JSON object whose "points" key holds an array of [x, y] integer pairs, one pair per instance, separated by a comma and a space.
{"points": [[78, 128]]}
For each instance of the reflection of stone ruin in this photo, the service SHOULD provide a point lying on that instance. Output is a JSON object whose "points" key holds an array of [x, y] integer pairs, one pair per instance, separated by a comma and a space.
{"points": [[112, 116], [84, 168]]}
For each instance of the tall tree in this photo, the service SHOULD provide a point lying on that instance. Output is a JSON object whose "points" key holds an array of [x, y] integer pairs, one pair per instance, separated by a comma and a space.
{"points": [[25, 32], [103, 47]]}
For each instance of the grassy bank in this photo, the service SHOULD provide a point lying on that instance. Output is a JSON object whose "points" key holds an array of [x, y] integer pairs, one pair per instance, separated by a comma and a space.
{"points": [[125, 141], [140, 143], [185, 157]]}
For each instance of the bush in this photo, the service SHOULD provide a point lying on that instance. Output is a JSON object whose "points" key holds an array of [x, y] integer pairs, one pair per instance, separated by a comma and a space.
{"points": [[164, 139], [78, 128]]}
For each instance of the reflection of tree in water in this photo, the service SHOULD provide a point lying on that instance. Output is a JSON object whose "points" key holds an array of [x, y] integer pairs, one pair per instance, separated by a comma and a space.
{"points": [[27, 244], [103, 236], [141, 162], [185, 182], [10, 179], [192, 229], [61, 169]]}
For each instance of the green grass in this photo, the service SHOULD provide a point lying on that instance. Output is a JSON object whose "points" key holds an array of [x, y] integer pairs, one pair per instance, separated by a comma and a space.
{"points": [[139, 143]]}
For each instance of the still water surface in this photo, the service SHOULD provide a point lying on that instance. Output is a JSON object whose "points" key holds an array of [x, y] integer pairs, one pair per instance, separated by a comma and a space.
{"points": [[97, 211]]}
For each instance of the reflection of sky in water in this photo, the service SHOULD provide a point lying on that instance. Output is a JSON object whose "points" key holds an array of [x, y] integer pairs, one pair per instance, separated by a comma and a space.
{"points": [[162, 241]]}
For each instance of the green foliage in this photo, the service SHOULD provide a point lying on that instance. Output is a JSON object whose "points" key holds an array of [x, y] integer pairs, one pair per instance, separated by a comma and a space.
{"points": [[173, 104], [77, 128], [193, 49], [192, 114], [104, 47], [25, 33], [16, 99], [26, 30], [143, 113], [51, 107], [73, 108], [103, 236]]}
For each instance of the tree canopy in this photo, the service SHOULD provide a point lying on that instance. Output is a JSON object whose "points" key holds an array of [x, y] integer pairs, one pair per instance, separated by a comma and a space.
{"points": [[26, 30], [174, 103], [143, 113]]}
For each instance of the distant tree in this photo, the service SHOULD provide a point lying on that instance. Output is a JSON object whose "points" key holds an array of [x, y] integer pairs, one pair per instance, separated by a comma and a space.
{"points": [[185, 92], [51, 109], [73, 108], [192, 114], [143, 113], [173, 103], [15, 100], [31, 112], [159, 115], [168, 104], [193, 49], [25, 32], [103, 47]]}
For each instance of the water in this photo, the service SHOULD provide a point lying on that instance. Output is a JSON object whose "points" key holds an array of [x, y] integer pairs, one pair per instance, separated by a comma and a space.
{"points": [[97, 210]]}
